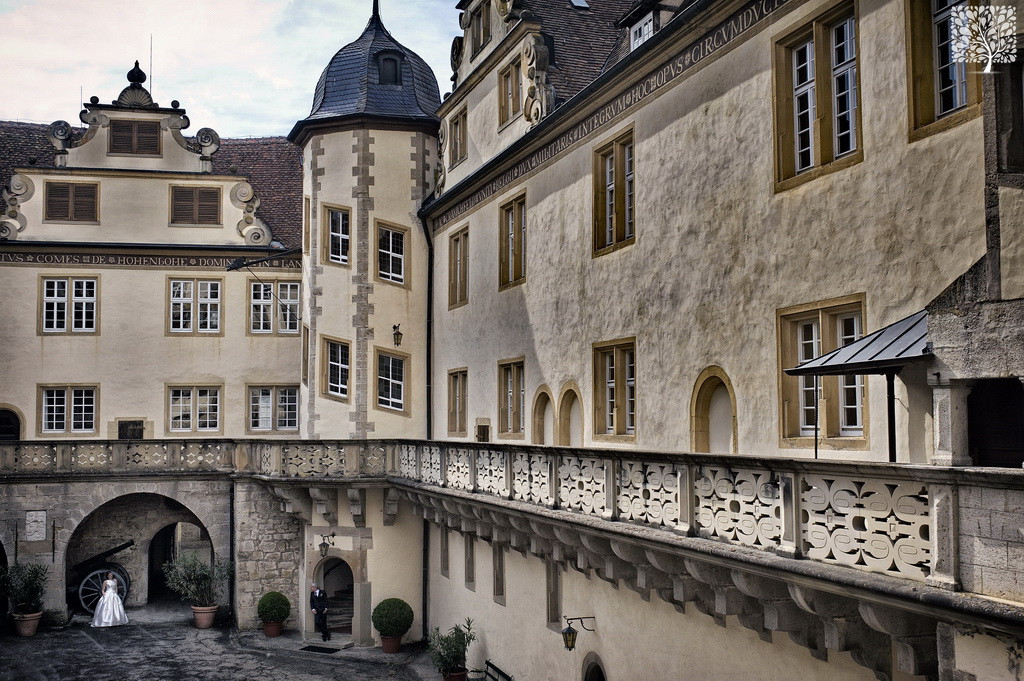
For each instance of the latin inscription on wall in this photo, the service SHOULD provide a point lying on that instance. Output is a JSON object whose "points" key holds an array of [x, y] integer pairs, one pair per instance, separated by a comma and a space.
{"points": [[124, 260]]}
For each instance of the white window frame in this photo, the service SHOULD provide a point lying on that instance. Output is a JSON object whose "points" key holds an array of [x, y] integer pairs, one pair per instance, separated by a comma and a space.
{"points": [[851, 387], [339, 235], [197, 408], [69, 304], [337, 373], [641, 31], [389, 254], [942, 59], [387, 384], [804, 106], [844, 86], [273, 408], [808, 347], [261, 307], [197, 303], [68, 409], [274, 307]]}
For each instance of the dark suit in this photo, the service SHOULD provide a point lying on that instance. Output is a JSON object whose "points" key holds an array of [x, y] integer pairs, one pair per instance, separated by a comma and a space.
{"points": [[318, 604]]}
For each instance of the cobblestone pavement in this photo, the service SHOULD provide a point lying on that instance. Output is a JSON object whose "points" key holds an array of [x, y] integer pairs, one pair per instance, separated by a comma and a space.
{"points": [[176, 651]]}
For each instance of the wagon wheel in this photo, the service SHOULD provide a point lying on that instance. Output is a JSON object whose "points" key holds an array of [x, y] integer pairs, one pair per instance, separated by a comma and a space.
{"points": [[124, 579], [91, 587]]}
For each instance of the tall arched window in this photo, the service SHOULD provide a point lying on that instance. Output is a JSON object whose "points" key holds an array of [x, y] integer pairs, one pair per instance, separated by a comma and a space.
{"points": [[390, 74]]}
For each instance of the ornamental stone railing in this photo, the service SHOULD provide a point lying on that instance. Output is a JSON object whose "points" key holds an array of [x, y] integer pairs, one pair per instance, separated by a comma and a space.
{"points": [[950, 527]]}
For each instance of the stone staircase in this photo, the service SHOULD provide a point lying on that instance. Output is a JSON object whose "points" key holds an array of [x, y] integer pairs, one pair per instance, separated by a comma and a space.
{"points": [[339, 612]]}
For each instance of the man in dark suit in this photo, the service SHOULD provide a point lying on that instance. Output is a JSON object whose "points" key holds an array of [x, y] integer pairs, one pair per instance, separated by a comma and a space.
{"points": [[318, 604]]}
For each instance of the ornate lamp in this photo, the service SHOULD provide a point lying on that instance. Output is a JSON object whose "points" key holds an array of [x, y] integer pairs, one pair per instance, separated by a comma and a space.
{"points": [[327, 541], [569, 634], [396, 335]]}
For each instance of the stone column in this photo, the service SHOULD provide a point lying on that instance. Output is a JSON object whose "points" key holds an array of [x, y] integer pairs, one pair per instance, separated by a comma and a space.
{"points": [[361, 601], [949, 410]]}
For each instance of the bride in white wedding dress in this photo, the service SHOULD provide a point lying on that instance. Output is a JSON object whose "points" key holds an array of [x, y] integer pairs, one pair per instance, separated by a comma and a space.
{"points": [[109, 610]]}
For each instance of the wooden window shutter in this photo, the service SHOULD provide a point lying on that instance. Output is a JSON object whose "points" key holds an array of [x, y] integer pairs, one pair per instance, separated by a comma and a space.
{"points": [[58, 201], [208, 206], [122, 137], [147, 137], [83, 202], [183, 201]]}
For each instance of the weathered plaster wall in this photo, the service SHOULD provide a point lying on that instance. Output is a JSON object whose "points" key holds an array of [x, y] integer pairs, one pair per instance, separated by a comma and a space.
{"points": [[634, 639], [1011, 242], [268, 549], [718, 252], [69, 504], [133, 357]]}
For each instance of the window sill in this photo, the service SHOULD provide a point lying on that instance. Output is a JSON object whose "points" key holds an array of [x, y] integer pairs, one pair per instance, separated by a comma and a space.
{"points": [[390, 282], [605, 250], [344, 399], [334, 263], [62, 434], [64, 334], [820, 171], [516, 116], [454, 306], [945, 123], [520, 435], [511, 284], [859, 443], [457, 433], [141, 154], [392, 410], [607, 437], [186, 225], [71, 222], [452, 165]]}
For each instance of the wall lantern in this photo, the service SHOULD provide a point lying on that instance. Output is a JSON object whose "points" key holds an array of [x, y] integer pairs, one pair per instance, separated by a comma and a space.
{"points": [[326, 543], [569, 634], [397, 335]]}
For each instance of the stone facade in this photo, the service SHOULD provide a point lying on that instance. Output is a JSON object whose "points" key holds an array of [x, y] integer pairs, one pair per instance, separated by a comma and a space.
{"points": [[268, 548]]}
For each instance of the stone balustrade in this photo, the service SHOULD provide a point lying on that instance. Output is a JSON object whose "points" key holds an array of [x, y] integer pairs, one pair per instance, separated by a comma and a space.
{"points": [[949, 527]]}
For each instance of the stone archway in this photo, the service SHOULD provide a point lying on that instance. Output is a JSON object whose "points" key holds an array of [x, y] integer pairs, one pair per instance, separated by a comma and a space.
{"points": [[337, 579], [137, 517], [713, 413], [593, 669], [10, 424], [569, 431]]}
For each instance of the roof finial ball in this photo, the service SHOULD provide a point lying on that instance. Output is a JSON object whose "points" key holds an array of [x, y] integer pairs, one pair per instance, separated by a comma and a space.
{"points": [[136, 75]]}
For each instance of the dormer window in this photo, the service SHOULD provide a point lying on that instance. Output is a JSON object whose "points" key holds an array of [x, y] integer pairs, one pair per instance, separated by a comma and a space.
{"points": [[480, 26], [641, 31], [389, 69], [135, 137]]}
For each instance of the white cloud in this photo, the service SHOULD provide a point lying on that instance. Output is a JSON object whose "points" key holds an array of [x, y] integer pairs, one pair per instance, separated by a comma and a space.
{"points": [[241, 67]]}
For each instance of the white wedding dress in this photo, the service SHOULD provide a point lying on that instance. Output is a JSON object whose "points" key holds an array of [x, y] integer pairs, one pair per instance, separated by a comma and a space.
{"points": [[109, 610]]}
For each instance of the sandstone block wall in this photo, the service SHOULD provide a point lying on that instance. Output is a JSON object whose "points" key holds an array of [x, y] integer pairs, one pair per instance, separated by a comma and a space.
{"points": [[992, 542], [268, 549]]}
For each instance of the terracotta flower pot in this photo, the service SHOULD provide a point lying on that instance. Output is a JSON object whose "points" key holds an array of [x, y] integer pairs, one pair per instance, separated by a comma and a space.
{"points": [[391, 644], [272, 629], [457, 674], [27, 625], [203, 616]]}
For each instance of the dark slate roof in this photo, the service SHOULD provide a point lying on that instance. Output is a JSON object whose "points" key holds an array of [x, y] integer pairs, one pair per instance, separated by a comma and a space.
{"points": [[350, 86], [580, 40], [893, 346], [273, 166]]}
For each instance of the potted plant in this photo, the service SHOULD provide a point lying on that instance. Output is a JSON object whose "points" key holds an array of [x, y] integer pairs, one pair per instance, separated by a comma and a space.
{"points": [[24, 585], [392, 618], [448, 651], [196, 581], [273, 609]]}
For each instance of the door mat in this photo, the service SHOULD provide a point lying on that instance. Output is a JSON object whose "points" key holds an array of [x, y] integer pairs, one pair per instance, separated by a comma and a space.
{"points": [[320, 649]]}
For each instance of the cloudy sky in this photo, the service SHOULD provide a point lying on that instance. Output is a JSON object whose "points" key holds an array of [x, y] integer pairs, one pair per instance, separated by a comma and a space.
{"points": [[244, 68]]}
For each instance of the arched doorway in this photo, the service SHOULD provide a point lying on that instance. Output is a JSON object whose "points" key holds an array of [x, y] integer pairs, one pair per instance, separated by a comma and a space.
{"points": [[10, 425], [543, 418], [713, 413], [995, 422], [570, 418], [121, 533], [336, 578], [593, 670]]}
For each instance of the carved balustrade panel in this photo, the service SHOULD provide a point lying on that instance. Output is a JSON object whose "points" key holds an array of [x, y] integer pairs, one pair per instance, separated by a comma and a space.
{"points": [[202, 455], [431, 465], [530, 478], [373, 460], [149, 455], [267, 464], [648, 493], [407, 461], [459, 462], [28, 457], [581, 484], [91, 456], [868, 524], [490, 472], [313, 460], [738, 505]]}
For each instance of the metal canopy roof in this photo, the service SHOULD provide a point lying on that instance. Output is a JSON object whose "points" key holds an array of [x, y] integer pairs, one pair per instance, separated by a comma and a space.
{"points": [[884, 351]]}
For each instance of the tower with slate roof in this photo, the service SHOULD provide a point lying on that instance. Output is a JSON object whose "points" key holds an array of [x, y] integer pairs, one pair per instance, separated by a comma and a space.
{"points": [[369, 149]]}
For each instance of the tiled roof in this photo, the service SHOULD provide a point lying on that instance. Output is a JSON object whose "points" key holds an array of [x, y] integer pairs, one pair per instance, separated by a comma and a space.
{"points": [[582, 40], [350, 85], [274, 168], [272, 164]]}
